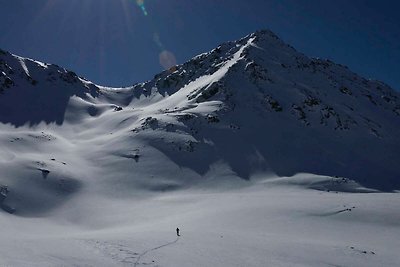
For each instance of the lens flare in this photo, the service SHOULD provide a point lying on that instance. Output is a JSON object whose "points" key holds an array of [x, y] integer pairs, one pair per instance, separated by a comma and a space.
{"points": [[167, 60], [156, 39], [140, 3]]}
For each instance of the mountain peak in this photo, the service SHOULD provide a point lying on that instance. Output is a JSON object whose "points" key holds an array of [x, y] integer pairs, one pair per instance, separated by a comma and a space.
{"points": [[260, 82], [265, 33], [256, 104]]}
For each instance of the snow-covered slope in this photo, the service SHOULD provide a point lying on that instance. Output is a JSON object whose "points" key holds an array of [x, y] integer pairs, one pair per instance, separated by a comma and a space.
{"points": [[255, 112], [253, 106], [259, 105]]}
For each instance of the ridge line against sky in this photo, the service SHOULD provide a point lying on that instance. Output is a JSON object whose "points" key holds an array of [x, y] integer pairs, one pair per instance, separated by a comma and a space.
{"points": [[121, 42]]}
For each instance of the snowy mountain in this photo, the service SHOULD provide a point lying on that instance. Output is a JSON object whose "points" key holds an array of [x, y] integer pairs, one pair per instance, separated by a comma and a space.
{"points": [[245, 113], [266, 107], [256, 104]]}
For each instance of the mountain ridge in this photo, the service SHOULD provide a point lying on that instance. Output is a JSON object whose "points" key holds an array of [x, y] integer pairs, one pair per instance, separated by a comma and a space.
{"points": [[247, 108]]}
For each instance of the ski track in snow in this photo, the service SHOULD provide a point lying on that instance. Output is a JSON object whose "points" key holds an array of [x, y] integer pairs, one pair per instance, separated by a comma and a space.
{"points": [[122, 253], [117, 252], [153, 249]]}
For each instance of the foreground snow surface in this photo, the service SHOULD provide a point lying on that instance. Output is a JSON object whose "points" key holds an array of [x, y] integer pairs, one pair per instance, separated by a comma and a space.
{"points": [[271, 222]]}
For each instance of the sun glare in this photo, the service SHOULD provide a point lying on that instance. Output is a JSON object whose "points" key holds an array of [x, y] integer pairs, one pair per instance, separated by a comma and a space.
{"points": [[140, 3], [166, 58]]}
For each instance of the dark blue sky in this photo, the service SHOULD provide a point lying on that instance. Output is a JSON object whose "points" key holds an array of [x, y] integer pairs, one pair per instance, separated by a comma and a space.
{"points": [[112, 42]]}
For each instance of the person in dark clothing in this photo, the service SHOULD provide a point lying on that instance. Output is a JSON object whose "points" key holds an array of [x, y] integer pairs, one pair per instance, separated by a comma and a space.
{"points": [[177, 232]]}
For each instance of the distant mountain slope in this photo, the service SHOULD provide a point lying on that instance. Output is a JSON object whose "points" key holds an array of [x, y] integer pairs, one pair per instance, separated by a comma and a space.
{"points": [[270, 108], [33, 91], [246, 108]]}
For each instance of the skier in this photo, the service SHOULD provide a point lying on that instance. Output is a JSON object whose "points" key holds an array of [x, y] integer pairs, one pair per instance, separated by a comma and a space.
{"points": [[177, 232]]}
